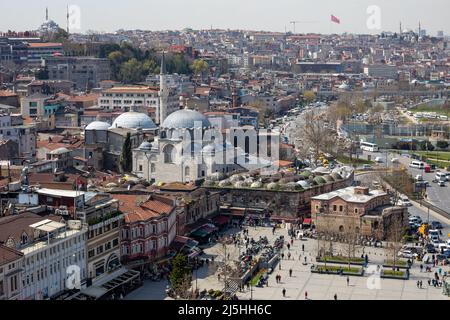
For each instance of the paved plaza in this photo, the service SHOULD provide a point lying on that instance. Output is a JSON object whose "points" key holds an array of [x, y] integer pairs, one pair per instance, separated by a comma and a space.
{"points": [[318, 286]]}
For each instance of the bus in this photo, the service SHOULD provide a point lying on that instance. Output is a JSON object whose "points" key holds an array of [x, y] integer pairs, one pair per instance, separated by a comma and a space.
{"points": [[367, 146]]}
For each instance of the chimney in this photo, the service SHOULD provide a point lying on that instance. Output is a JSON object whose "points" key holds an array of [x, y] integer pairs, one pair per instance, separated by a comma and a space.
{"points": [[361, 190]]}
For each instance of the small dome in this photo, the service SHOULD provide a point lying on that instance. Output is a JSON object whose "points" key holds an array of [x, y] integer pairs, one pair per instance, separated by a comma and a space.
{"points": [[97, 125], [336, 176], [133, 120], [240, 184], [216, 176], [60, 151], [256, 185], [145, 145], [320, 180], [224, 183], [272, 186], [304, 184], [185, 119]]}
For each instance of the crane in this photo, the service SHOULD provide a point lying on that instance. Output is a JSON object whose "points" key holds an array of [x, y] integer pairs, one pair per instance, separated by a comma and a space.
{"points": [[295, 22]]}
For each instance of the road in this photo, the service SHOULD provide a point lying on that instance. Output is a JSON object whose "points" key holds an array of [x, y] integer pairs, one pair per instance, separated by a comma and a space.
{"points": [[438, 196]]}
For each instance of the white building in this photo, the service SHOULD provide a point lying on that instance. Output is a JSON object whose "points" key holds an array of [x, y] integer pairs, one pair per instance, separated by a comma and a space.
{"points": [[53, 253], [24, 135]]}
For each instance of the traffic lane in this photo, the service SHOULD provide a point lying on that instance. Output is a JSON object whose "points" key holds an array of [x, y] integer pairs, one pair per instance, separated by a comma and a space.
{"points": [[422, 212], [439, 196]]}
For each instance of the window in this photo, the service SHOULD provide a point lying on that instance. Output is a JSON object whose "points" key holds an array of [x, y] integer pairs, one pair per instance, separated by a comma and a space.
{"points": [[169, 151], [115, 242], [108, 246], [356, 210], [140, 167], [341, 208], [99, 249], [334, 207], [91, 253]]}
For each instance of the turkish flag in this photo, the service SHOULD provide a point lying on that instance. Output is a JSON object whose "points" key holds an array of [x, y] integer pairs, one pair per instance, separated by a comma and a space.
{"points": [[335, 19]]}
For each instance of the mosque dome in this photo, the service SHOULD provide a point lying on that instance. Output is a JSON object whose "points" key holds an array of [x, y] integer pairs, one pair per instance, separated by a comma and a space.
{"points": [[185, 119], [97, 125], [145, 145], [133, 120]]}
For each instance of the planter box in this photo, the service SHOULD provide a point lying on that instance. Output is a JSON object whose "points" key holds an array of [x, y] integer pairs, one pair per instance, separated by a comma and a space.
{"points": [[346, 273], [388, 276], [387, 266], [363, 263]]}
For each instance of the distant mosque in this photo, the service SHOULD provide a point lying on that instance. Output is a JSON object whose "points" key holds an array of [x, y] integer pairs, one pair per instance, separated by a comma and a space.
{"points": [[48, 27]]}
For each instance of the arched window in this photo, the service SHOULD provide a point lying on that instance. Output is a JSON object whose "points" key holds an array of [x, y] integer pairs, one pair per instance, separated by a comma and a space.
{"points": [[187, 172], [169, 153], [341, 228], [24, 238]]}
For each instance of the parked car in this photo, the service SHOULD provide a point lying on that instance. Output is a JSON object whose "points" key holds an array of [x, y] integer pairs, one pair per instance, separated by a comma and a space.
{"points": [[436, 225], [441, 183], [419, 177]]}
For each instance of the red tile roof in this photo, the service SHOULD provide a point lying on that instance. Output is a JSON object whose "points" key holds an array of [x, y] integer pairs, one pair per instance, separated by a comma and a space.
{"points": [[141, 208]]}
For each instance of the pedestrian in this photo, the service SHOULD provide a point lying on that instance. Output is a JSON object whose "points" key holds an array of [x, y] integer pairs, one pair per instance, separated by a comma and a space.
{"points": [[306, 295], [348, 281], [289, 246], [421, 267], [418, 283], [429, 282], [335, 296], [290, 272], [292, 241], [279, 266], [282, 256], [218, 277], [279, 278], [305, 260], [289, 256], [303, 247], [284, 292]]}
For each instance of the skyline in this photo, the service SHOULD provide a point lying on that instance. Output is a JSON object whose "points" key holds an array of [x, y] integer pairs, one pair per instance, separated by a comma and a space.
{"points": [[251, 15]]}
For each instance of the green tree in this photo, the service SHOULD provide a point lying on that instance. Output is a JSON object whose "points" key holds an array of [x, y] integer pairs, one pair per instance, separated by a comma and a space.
{"points": [[126, 156], [181, 275], [442, 144], [199, 67], [131, 71]]}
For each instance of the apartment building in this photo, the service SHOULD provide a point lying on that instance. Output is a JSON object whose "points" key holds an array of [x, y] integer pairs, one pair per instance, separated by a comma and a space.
{"points": [[54, 251], [150, 226], [84, 72], [10, 273]]}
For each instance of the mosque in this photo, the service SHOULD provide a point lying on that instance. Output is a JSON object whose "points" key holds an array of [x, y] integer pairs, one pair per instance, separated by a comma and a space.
{"points": [[185, 147]]}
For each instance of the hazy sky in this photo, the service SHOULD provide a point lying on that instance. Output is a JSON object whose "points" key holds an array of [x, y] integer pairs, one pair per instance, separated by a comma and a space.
{"points": [[273, 15]]}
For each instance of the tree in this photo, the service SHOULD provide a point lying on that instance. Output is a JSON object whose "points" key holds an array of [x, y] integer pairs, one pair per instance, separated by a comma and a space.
{"points": [[126, 156], [312, 132], [131, 71], [426, 146], [199, 67], [351, 237], [309, 96], [442, 144], [181, 276], [396, 231]]}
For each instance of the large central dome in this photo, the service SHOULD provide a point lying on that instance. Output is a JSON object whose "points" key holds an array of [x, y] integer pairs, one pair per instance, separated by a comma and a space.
{"points": [[185, 119], [133, 120]]}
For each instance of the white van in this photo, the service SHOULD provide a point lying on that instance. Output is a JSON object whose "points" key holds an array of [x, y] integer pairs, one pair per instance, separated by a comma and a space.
{"points": [[404, 201], [417, 164], [441, 176]]}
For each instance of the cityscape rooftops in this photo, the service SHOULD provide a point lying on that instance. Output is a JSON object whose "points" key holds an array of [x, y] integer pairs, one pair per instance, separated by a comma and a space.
{"points": [[349, 194]]}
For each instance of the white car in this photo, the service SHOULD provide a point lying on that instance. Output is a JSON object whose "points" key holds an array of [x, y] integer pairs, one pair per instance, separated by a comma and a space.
{"points": [[407, 254], [394, 160], [419, 177]]}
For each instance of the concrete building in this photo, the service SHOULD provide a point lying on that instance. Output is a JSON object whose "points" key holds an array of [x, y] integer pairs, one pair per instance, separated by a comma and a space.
{"points": [[12, 128], [381, 71], [150, 226], [85, 72], [10, 273], [52, 250], [37, 52], [359, 211]]}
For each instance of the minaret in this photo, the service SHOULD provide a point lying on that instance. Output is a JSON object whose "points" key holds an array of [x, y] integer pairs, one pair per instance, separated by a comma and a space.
{"points": [[68, 19], [163, 91], [46, 14]]}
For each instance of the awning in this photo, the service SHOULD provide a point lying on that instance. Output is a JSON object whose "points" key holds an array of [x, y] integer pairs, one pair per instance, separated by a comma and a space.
{"points": [[221, 220], [307, 221]]}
